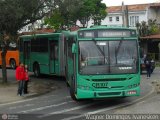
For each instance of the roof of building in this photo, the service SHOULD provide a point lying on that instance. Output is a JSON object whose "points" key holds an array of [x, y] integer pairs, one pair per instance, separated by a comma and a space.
{"points": [[135, 7], [154, 5], [39, 31], [157, 36]]}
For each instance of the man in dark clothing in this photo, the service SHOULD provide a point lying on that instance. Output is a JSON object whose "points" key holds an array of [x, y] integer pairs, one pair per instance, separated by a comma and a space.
{"points": [[148, 67]]}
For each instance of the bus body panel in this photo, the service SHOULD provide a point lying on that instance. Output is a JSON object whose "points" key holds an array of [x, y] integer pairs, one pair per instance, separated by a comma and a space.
{"points": [[107, 86], [11, 55], [83, 94], [101, 84], [47, 56], [42, 59]]}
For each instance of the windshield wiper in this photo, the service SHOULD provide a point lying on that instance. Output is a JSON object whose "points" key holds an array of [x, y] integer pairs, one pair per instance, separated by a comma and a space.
{"points": [[117, 50], [100, 50]]}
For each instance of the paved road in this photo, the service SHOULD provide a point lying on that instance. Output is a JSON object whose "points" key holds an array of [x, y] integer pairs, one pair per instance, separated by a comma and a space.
{"points": [[58, 104]]}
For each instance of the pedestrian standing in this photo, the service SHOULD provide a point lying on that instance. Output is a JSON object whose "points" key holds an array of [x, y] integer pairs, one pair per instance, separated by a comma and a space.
{"points": [[26, 80], [148, 67], [20, 76]]}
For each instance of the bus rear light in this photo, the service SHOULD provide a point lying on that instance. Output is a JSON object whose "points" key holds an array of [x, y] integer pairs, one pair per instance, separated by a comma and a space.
{"points": [[132, 92]]}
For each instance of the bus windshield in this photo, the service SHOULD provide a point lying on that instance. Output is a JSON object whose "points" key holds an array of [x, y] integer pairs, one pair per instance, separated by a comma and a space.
{"points": [[108, 57]]}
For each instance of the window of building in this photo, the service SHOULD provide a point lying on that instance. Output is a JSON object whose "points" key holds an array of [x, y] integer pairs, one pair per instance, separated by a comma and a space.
{"points": [[133, 20], [117, 18], [110, 19], [136, 19]]}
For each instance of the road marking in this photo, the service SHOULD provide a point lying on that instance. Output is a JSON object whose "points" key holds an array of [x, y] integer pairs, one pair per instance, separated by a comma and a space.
{"points": [[3, 104], [21, 101], [27, 105], [45, 107], [65, 110], [111, 108]]}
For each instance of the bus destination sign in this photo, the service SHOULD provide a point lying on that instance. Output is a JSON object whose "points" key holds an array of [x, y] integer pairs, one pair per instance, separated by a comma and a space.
{"points": [[106, 33], [113, 33]]}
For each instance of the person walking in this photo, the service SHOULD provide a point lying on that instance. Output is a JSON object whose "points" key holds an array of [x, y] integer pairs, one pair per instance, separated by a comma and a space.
{"points": [[26, 80], [148, 67], [20, 76]]}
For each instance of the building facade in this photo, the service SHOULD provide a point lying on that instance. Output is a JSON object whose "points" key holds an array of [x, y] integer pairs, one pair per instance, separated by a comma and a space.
{"points": [[136, 13], [116, 16]]}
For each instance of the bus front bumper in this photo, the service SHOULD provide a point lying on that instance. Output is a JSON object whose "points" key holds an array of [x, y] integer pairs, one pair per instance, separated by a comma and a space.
{"points": [[81, 94]]}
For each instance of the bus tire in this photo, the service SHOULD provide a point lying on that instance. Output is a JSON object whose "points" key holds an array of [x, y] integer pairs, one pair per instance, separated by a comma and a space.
{"points": [[72, 90], [66, 77], [36, 70], [13, 64]]}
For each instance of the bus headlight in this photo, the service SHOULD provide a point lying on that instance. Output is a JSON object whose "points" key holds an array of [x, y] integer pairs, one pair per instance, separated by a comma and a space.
{"points": [[132, 86], [84, 87]]}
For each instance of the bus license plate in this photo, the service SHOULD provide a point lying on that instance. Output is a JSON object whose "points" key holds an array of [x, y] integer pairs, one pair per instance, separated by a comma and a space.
{"points": [[100, 85]]}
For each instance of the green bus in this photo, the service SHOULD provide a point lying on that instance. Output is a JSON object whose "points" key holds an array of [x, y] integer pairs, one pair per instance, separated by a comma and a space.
{"points": [[43, 53], [102, 62]]}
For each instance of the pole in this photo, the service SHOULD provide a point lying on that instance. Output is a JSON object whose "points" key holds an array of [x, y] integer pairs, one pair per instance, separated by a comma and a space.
{"points": [[159, 50]]}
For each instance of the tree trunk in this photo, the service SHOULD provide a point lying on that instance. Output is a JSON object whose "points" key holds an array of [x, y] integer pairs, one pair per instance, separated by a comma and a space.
{"points": [[4, 71]]}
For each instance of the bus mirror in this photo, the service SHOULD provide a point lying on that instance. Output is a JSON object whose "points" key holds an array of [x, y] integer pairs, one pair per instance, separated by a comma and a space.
{"points": [[73, 48]]}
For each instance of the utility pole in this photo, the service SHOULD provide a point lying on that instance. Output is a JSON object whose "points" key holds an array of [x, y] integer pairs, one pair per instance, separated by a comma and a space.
{"points": [[125, 15], [159, 51]]}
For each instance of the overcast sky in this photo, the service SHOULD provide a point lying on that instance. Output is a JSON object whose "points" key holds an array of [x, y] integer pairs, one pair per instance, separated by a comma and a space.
{"points": [[126, 2]]}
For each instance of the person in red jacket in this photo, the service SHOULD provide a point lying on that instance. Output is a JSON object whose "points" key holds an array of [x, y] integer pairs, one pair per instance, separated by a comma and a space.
{"points": [[26, 80], [20, 77]]}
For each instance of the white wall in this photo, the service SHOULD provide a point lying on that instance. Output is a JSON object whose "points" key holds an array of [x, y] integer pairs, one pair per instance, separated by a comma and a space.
{"points": [[113, 22]]}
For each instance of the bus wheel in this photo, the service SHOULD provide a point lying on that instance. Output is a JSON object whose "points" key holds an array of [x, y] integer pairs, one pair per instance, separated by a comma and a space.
{"points": [[36, 70], [72, 94], [72, 91], [66, 77], [13, 64]]}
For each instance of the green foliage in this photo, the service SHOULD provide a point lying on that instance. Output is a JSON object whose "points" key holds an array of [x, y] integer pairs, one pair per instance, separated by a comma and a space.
{"points": [[55, 20], [15, 14], [69, 11], [92, 9], [153, 27], [99, 13], [150, 29]]}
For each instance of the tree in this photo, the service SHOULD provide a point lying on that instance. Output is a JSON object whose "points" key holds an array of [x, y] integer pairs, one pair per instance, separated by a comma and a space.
{"points": [[16, 14], [153, 26], [55, 20], [99, 12], [145, 29], [72, 10], [64, 14]]}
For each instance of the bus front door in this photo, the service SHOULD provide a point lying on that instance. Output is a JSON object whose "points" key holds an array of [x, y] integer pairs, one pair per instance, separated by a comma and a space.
{"points": [[27, 48], [54, 64]]}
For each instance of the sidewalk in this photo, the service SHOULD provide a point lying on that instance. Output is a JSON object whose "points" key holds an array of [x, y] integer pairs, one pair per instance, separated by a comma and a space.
{"points": [[156, 80], [8, 92]]}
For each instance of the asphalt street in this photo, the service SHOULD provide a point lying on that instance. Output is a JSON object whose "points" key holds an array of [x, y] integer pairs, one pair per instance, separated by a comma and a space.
{"points": [[58, 103]]}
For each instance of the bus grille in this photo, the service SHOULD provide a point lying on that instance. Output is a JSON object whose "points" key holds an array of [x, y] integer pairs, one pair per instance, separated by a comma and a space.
{"points": [[109, 93], [109, 79]]}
